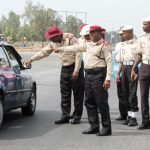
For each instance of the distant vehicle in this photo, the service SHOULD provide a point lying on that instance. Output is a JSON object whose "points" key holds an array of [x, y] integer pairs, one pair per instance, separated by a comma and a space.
{"points": [[2, 37], [17, 87]]}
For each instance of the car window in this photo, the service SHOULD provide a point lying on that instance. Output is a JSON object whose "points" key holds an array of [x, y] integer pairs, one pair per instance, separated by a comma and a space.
{"points": [[13, 59], [4, 63]]}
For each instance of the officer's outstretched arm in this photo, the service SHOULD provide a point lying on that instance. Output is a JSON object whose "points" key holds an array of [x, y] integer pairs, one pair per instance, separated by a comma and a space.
{"points": [[72, 48], [46, 51]]}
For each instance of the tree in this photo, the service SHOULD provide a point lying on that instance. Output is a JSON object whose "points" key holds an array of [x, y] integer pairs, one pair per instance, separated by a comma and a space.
{"points": [[73, 24], [24, 31], [2, 24], [39, 19], [13, 25], [35, 21], [10, 27]]}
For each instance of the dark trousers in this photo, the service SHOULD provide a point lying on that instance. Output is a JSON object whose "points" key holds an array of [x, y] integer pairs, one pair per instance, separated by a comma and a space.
{"points": [[129, 88], [67, 85], [96, 98], [144, 89], [122, 102]]}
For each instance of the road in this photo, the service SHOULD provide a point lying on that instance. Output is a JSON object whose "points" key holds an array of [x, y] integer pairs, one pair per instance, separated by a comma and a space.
{"points": [[40, 133]]}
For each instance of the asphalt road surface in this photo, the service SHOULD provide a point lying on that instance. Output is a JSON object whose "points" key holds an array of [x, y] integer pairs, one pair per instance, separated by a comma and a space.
{"points": [[40, 133]]}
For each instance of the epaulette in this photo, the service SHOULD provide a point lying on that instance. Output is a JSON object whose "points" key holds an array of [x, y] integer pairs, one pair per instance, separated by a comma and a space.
{"points": [[105, 42], [69, 36]]}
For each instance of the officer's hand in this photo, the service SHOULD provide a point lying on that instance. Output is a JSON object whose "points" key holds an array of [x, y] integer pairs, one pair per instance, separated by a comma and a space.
{"points": [[56, 50], [118, 78], [75, 75], [134, 76], [106, 84], [28, 62], [25, 66]]}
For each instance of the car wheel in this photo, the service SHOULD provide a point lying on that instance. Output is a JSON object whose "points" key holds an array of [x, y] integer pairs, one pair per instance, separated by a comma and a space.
{"points": [[1, 111], [29, 109]]}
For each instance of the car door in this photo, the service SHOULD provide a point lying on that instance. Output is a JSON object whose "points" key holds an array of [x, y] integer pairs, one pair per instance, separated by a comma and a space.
{"points": [[8, 80], [22, 75]]}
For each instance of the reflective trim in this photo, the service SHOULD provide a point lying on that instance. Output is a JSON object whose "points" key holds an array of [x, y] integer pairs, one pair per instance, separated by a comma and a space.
{"points": [[13, 91]]}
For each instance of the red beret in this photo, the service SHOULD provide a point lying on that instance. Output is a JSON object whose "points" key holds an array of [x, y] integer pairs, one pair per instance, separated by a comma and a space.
{"points": [[53, 31], [103, 31], [83, 26], [95, 28]]}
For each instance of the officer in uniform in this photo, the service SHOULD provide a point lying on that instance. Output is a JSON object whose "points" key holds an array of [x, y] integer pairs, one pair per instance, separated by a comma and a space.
{"points": [[85, 37], [128, 54], [98, 72], [122, 102], [144, 58], [72, 75]]}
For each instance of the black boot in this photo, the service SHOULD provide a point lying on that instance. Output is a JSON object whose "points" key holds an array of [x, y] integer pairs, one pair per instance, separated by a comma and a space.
{"points": [[62, 121], [132, 122], [145, 125], [105, 132], [127, 120], [75, 121], [91, 130], [71, 116]]}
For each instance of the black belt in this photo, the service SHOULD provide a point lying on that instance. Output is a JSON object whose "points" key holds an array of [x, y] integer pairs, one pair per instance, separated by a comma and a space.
{"points": [[95, 70], [69, 66]]}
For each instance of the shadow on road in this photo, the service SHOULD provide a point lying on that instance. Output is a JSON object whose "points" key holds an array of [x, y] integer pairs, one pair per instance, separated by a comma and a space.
{"points": [[16, 126]]}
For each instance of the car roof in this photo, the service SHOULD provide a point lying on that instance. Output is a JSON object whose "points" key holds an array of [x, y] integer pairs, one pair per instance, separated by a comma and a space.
{"points": [[4, 43]]}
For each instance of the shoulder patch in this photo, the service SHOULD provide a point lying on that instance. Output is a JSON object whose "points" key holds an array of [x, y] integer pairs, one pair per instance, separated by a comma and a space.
{"points": [[105, 42], [69, 36]]}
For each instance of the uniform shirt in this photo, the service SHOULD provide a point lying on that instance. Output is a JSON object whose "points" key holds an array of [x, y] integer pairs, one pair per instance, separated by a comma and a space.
{"points": [[83, 41], [66, 58], [144, 46], [128, 50], [116, 52], [97, 55], [118, 46]]}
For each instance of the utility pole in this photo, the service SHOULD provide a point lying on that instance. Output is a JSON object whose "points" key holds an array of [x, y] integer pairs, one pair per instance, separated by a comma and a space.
{"points": [[74, 12], [65, 20], [76, 15]]}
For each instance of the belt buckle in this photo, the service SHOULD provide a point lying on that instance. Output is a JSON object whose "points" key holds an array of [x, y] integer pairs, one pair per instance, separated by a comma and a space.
{"points": [[125, 62], [131, 62]]}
